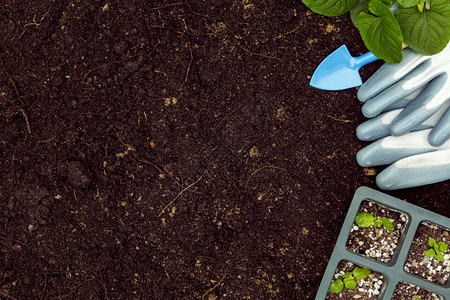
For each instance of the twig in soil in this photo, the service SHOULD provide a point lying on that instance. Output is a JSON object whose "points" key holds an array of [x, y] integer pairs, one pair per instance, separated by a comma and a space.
{"points": [[257, 54], [35, 23], [188, 44], [123, 60], [340, 120], [13, 240], [3, 294], [214, 287], [142, 160], [18, 97], [180, 193], [73, 290], [227, 116], [179, 4], [257, 170], [104, 287], [45, 284]]}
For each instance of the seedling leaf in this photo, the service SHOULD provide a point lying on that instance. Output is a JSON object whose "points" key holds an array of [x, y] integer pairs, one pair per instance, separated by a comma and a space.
{"points": [[364, 219], [361, 273], [436, 248], [443, 246], [440, 256], [330, 8], [381, 33], [346, 275], [431, 241], [350, 284], [430, 253], [351, 278], [378, 223], [387, 223], [426, 31], [336, 286]]}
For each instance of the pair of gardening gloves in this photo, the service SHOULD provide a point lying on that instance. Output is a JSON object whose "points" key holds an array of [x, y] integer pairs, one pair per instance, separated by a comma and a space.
{"points": [[408, 104]]}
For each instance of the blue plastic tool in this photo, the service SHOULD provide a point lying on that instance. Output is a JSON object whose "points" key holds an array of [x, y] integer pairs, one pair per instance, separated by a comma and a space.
{"points": [[339, 70]]}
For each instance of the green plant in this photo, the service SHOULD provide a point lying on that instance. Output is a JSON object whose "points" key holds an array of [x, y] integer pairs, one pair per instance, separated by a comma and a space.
{"points": [[349, 280], [365, 219], [417, 298], [437, 249], [424, 25]]}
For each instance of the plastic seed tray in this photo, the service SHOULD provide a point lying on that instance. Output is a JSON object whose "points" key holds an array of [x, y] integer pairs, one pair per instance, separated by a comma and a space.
{"points": [[393, 271]]}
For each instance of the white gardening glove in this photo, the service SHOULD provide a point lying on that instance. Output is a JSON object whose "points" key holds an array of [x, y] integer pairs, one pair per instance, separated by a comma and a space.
{"points": [[380, 126], [393, 82], [413, 160]]}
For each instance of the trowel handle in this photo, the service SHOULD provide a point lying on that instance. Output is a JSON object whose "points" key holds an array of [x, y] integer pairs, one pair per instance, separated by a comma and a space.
{"points": [[363, 60]]}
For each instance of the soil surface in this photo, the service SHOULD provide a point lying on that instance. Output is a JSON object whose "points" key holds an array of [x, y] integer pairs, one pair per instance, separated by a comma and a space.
{"points": [[174, 150]]}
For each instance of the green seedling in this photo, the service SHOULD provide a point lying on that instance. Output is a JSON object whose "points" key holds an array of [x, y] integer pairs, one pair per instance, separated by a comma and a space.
{"points": [[365, 219], [417, 298], [348, 280], [423, 25], [437, 249]]}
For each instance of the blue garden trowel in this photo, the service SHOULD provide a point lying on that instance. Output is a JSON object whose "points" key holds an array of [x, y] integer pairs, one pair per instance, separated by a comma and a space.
{"points": [[339, 70]]}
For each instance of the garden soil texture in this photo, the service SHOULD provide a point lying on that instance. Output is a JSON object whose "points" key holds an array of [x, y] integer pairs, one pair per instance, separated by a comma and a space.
{"points": [[167, 150]]}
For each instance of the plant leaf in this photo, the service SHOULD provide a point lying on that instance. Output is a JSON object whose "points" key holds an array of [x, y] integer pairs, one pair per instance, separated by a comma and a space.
{"points": [[439, 256], [364, 219], [436, 248], [336, 286], [431, 241], [330, 8], [443, 246], [430, 253], [351, 278], [361, 273], [426, 32], [387, 223], [378, 223], [381, 33], [361, 5], [408, 3], [351, 284], [348, 274]]}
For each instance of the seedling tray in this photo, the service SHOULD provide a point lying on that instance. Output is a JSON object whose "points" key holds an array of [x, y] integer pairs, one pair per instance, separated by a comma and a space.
{"points": [[393, 271]]}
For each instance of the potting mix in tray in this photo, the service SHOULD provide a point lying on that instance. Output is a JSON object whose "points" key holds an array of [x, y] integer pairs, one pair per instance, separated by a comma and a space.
{"points": [[388, 249]]}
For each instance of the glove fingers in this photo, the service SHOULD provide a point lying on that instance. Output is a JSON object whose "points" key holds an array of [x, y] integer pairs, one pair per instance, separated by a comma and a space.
{"points": [[413, 81], [405, 101], [392, 148], [389, 74], [416, 170], [425, 105], [441, 133], [378, 127]]}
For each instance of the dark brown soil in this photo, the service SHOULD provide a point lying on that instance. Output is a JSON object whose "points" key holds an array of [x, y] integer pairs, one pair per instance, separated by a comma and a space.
{"points": [[166, 150]]}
